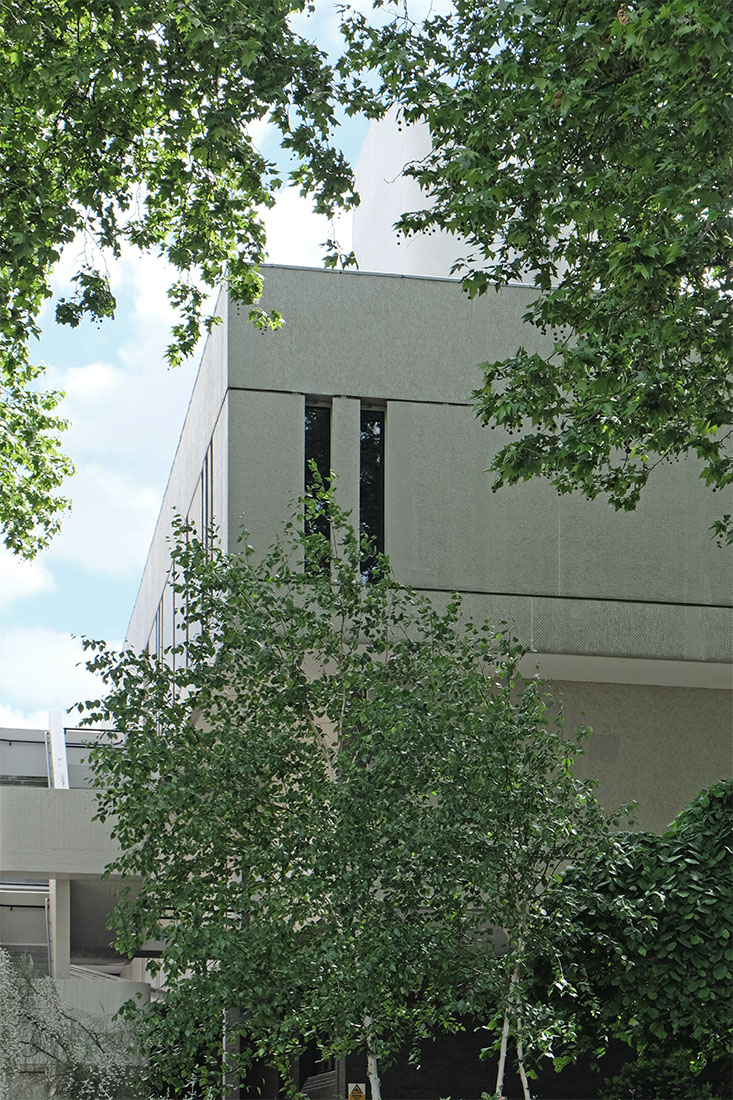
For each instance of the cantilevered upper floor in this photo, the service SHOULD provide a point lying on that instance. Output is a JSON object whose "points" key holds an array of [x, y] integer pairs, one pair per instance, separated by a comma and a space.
{"points": [[629, 615], [571, 576]]}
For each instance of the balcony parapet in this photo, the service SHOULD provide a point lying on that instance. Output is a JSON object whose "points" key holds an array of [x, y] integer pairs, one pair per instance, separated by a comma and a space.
{"points": [[50, 833]]}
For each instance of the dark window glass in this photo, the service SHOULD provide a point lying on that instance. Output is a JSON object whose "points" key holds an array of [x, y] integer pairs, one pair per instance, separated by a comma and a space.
{"points": [[371, 485], [207, 497], [318, 451]]}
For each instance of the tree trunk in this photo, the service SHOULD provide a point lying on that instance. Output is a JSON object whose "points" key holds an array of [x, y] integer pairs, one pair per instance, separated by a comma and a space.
{"points": [[372, 1064], [505, 1027], [502, 1057], [520, 1063]]}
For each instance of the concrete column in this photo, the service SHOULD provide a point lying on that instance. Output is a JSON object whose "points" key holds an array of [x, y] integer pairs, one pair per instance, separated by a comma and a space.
{"points": [[59, 893], [57, 750], [345, 431]]}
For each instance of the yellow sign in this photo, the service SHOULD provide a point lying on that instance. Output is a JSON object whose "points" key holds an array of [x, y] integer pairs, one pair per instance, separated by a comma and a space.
{"points": [[357, 1091]]}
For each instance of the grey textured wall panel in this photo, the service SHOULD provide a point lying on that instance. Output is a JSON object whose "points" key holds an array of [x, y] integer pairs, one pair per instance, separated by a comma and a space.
{"points": [[607, 628], [446, 526], [654, 745], [47, 832], [266, 463], [100, 998], [375, 336], [345, 429]]}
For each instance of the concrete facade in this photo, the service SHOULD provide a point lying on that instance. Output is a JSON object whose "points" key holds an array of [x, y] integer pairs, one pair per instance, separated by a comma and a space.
{"points": [[54, 905], [628, 614]]}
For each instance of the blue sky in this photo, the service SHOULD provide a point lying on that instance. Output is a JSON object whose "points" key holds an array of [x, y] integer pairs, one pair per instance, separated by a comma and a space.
{"points": [[126, 410]]}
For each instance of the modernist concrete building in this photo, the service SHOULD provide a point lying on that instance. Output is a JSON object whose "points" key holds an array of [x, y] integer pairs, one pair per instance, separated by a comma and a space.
{"points": [[54, 904], [628, 615]]}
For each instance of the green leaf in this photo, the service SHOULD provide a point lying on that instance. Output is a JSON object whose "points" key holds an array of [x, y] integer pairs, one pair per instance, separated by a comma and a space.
{"points": [[334, 845]]}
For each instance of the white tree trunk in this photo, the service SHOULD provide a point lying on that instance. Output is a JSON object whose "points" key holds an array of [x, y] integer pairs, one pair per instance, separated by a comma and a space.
{"points": [[522, 1074], [372, 1064], [510, 1007], [502, 1057]]}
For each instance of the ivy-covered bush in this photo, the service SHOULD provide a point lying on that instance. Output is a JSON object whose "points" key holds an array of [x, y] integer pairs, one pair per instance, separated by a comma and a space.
{"points": [[654, 960], [659, 1077]]}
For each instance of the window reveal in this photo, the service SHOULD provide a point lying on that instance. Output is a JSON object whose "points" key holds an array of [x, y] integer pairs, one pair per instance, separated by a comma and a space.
{"points": [[207, 497]]}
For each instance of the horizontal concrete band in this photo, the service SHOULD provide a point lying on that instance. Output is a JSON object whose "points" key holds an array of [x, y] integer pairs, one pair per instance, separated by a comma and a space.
{"points": [[50, 833], [624, 630], [629, 670]]}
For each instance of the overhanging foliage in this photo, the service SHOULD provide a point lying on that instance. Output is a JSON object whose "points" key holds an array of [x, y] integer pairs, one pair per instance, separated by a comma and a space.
{"points": [[130, 123], [586, 148]]}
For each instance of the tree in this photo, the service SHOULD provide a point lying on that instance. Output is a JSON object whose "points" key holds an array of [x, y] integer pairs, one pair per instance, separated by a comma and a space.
{"points": [[543, 820], [81, 1057], [333, 792], [32, 467], [585, 148], [667, 995], [131, 123]]}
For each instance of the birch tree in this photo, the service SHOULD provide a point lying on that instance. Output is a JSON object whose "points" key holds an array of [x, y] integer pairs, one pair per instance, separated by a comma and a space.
{"points": [[314, 789]]}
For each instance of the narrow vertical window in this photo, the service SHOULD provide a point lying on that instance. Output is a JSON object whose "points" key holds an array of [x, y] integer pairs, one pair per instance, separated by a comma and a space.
{"points": [[207, 496], [318, 453], [371, 485], [174, 630], [158, 632]]}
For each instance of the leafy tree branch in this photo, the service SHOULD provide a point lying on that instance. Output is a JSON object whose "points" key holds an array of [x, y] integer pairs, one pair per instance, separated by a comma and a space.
{"points": [[583, 148], [131, 124]]}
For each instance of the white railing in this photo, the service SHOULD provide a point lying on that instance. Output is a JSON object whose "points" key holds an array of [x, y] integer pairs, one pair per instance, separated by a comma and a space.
{"points": [[55, 757]]}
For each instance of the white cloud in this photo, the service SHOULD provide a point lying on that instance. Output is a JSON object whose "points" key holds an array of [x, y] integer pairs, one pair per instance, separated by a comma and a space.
{"points": [[16, 718], [126, 416], [73, 256], [148, 275], [93, 384], [111, 524], [142, 352], [41, 670], [295, 234], [20, 579], [260, 130]]}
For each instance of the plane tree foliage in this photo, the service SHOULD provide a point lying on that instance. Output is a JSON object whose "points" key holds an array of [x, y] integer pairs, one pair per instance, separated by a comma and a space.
{"points": [[584, 148], [336, 794], [581, 146], [130, 123]]}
